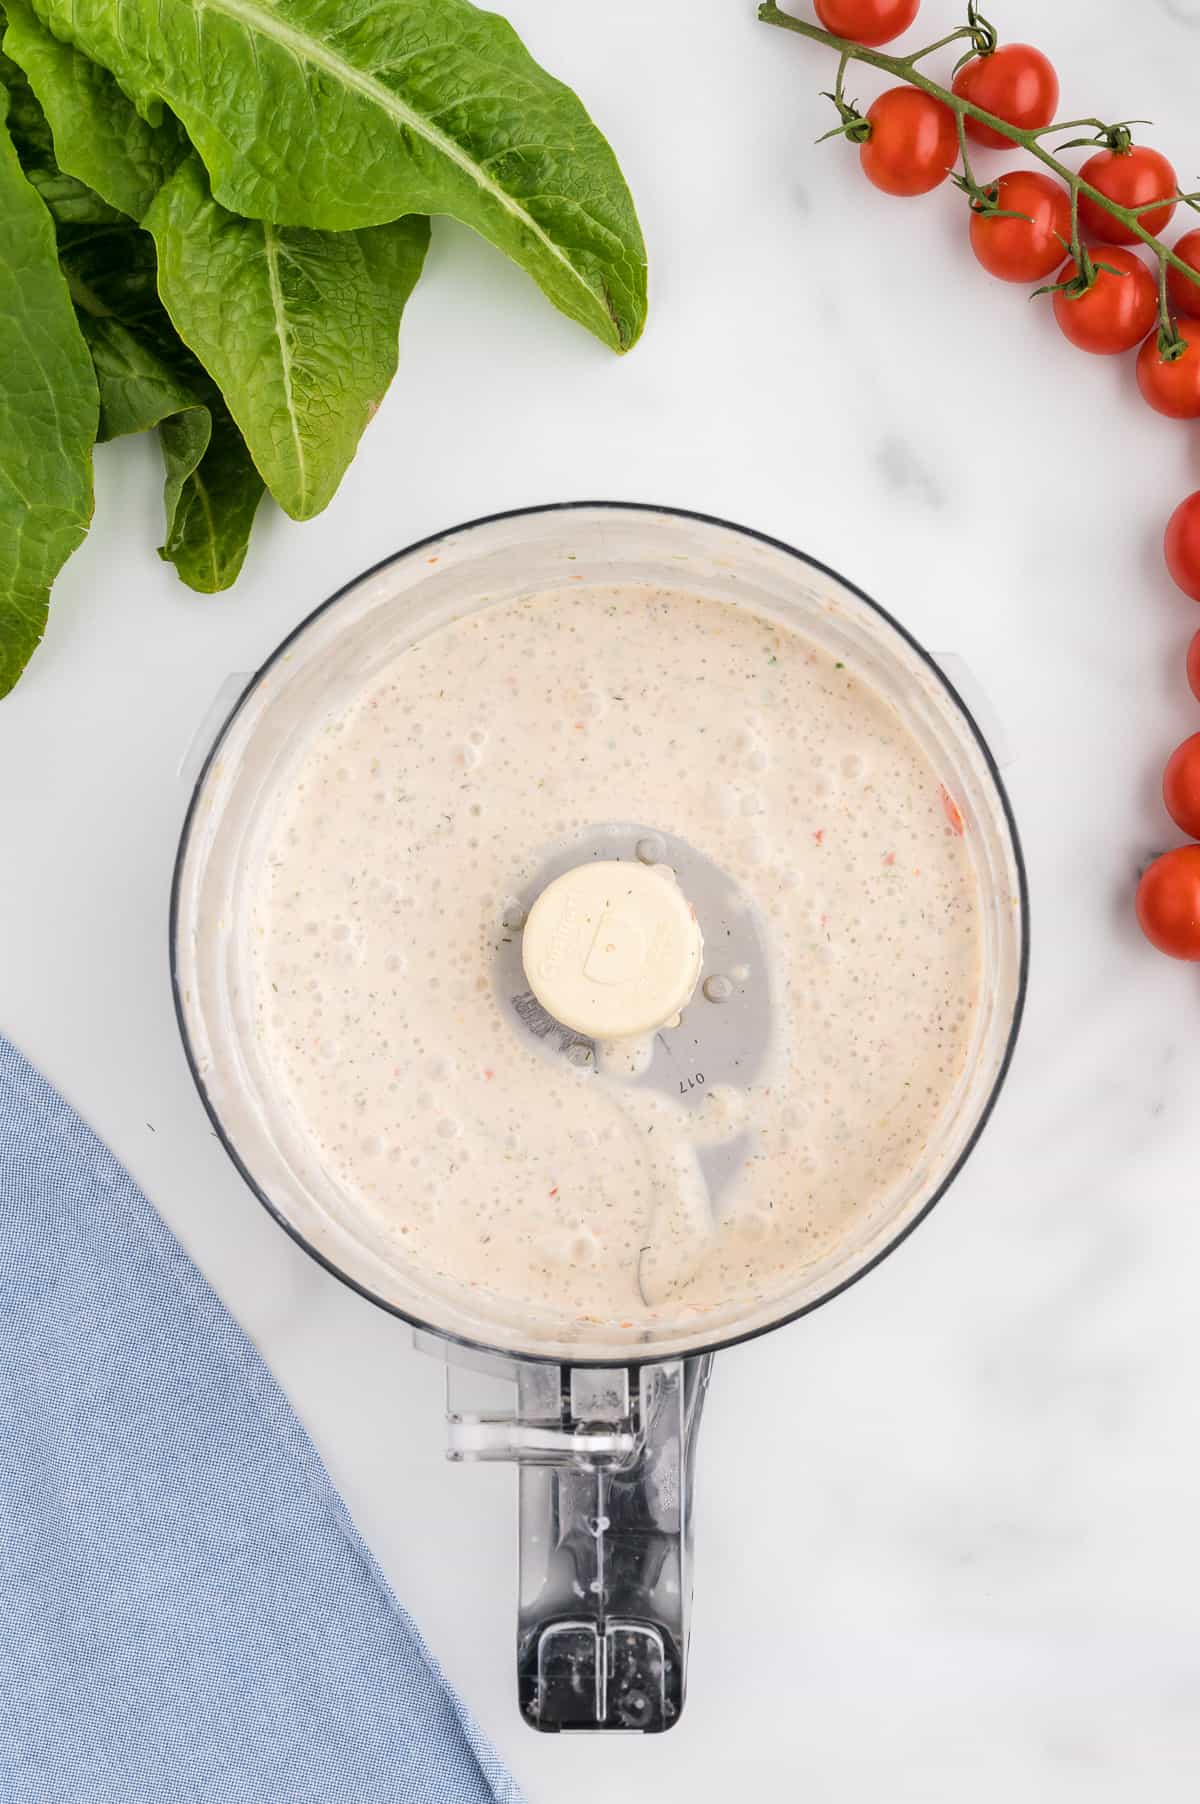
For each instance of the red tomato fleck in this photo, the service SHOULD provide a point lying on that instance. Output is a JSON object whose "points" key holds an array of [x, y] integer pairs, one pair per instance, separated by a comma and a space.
{"points": [[952, 812], [890, 859], [819, 836]]}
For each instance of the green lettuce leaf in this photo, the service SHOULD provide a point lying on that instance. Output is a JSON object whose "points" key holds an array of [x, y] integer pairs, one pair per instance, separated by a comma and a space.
{"points": [[48, 416], [147, 378], [71, 203], [145, 374], [341, 117], [299, 329], [211, 506], [98, 135], [137, 389], [211, 489]]}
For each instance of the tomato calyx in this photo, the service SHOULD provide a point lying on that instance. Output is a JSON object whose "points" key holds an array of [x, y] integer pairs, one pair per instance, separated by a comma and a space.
{"points": [[982, 35], [1172, 345], [1117, 138], [986, 201], [855, 126], [1087, 274]]}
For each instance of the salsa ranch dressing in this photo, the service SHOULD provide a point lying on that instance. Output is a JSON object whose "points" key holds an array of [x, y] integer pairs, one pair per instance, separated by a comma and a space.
{"points": [[420, 812]]}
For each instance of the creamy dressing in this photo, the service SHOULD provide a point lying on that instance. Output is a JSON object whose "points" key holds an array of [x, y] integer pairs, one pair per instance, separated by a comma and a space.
{"points": [[424, 810]]}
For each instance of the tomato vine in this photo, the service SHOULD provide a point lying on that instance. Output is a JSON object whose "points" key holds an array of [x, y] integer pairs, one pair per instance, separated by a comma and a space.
{"points": [[981, 37]]}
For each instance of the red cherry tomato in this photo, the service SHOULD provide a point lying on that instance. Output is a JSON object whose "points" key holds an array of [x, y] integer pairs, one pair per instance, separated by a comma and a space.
{"points": [[1172, 388], [1193, 666], [1130, 177], [1116, 312], [913, 144], [1183, 292], [1029, 248], [1168, 903], [871, 22], [1183, 546], [1181, 786], [1015, 83]]}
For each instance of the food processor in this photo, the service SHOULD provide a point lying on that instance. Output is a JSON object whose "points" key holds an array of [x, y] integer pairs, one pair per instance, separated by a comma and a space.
{"points": [[600, 1418]]}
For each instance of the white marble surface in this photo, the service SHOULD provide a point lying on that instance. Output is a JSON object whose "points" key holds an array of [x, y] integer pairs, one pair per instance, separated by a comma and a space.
{"points": [[948, 1527]]}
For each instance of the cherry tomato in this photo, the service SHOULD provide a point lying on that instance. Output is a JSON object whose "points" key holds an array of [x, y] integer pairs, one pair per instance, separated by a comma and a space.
{"points": [[867, 21], [1168, 903], [1029, 248], [1116, 312], [1183, 546], [1193, 666], [1172, 388], [1183, 292], [1130, 177], [913, 144], [1181, 786], [1015, 83]]}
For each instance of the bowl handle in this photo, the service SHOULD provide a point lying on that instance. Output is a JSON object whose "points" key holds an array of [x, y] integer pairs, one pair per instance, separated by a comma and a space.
{"points": [[606, 1458]]}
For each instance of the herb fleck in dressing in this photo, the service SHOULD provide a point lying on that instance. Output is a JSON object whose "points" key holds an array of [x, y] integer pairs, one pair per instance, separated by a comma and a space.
{"points": [[418, 817]]}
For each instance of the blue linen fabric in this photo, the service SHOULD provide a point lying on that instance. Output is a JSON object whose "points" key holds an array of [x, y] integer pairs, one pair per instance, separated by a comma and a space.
{"points": [[187, 1612]]}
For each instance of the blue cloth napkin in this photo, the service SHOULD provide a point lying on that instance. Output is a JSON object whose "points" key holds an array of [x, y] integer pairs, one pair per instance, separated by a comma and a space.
{"points": [[187, 1612]]}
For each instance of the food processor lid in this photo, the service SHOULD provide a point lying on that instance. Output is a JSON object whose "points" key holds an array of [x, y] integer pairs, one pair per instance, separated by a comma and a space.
{"points": [[591, 977]]}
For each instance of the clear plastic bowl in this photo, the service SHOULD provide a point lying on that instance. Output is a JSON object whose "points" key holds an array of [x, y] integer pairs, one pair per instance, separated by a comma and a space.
{"points": [[324, 664]]}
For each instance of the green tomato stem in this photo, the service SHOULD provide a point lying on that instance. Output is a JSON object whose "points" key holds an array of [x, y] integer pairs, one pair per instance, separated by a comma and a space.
{"points": [[1068, 125], [1076, 241], [954, 37], [904, 68], [1171, 342], [968, 172]]}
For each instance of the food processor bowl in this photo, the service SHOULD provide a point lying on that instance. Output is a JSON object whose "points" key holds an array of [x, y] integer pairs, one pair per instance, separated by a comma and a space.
{"points": [[604, 1418]]}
